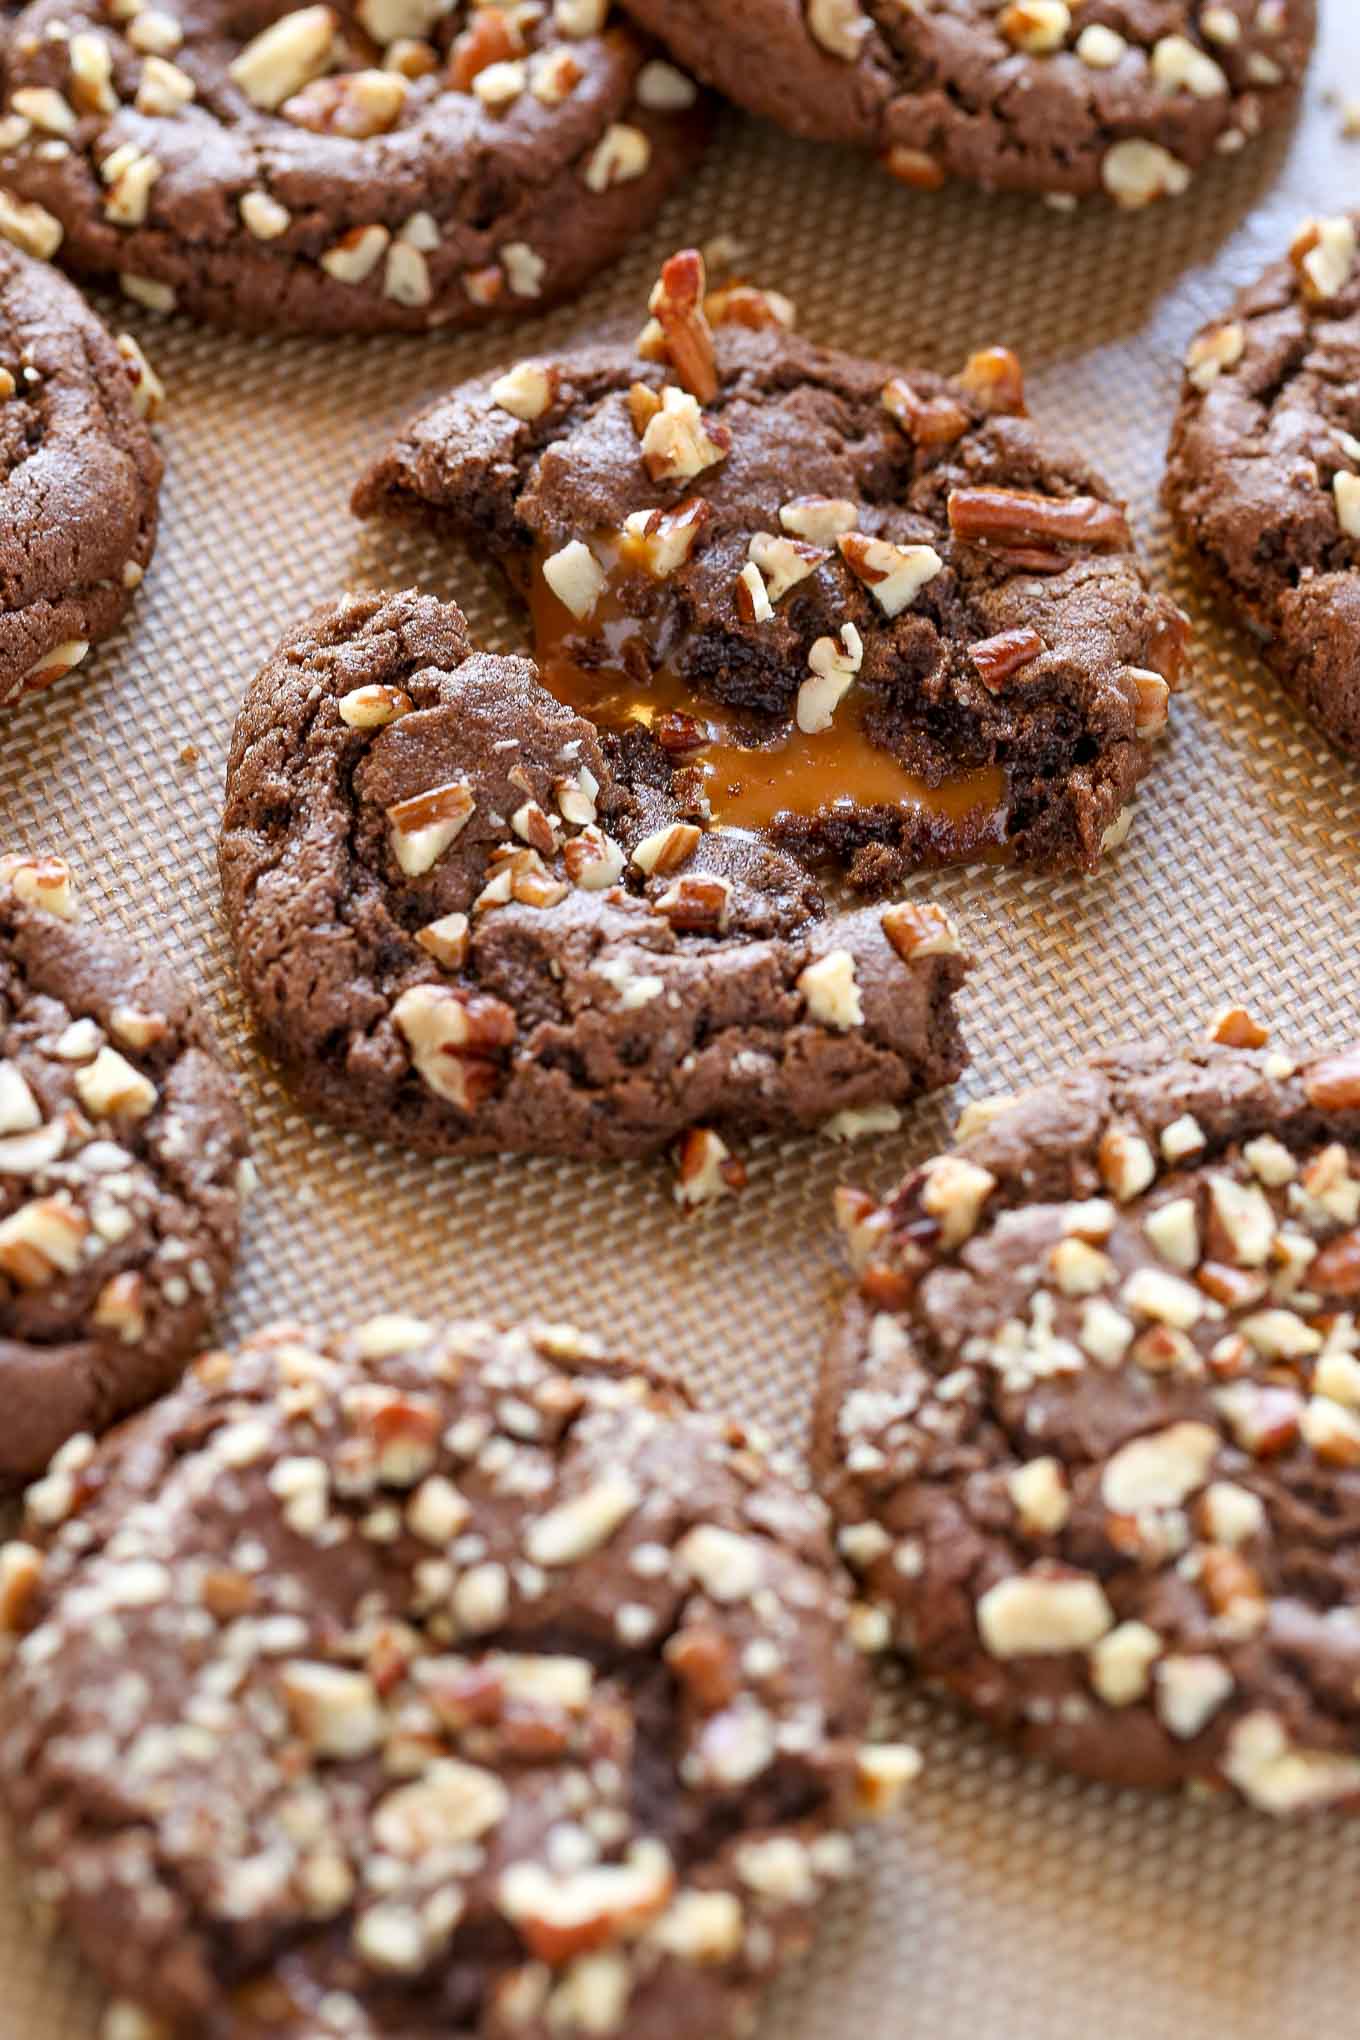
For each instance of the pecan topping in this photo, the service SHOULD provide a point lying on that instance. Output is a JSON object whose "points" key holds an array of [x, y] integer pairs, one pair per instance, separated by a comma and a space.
{"points": [[994, 376], [913, 167], [928, 421], [643, 405], [915, 928], [1030, 527], [677, 304], [705, 1663], [1334, 1085], [660, 541], [678, 733], [696, 906], [706, 1168], [449, 1031], [742, 304], [1151, 700], [1234, 1027], [998, 658], [1336, 1271], [491, 39], [358, 105], [1238, 1288]]}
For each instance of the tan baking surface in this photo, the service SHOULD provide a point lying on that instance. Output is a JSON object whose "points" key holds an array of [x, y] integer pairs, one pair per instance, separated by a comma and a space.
{"points": [[1013, 1904]]}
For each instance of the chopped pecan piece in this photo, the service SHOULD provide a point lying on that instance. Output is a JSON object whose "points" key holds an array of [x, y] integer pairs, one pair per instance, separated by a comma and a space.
{"points": [[1238, 1288], [643, 405], [705, 1664], [1152, 698], [492, 38], [666, 849], [887, 1287], [998, 658], [661, 541], [917, 929], [677, 304], [1336, 1271], [741, 304], [21, 1573], [1230, 1583], [928, 421], [913, 167], [450, 1031], [994, 376], [706, 1168], [1234, 1027], [1017, 517], [678, 733], [357, 105], [1334, 1085], [696, 906]]}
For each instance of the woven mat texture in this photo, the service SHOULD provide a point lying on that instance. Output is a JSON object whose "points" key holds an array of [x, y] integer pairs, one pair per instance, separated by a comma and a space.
{"points": [[1010, 1903]]}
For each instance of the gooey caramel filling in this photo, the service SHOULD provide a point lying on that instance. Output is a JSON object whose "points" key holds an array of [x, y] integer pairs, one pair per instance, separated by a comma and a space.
{"points": [[603, 668]]}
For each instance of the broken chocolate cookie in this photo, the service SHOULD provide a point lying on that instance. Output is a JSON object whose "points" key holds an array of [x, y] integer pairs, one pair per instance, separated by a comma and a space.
{"points": [[874, 613], [467, 921]]}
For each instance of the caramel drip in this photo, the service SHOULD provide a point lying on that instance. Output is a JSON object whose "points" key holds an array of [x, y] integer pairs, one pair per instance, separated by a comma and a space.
{"points": [[600, 667]]}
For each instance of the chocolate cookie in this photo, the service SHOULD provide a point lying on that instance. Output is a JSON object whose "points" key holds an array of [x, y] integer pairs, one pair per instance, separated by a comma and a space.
{"points": [[415, 1682], [391, 163], [1092, 1426], [466, 920], [121, 1157], [1264, 472], [1128, 97], [877, 613], [79, 474]]}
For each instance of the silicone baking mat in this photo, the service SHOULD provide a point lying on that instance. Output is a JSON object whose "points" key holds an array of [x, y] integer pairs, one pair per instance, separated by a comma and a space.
{"points": [[1009, 1903]]}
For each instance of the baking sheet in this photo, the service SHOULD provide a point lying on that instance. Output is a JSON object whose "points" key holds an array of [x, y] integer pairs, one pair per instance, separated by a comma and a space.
{"points": [[1011, 1903]]}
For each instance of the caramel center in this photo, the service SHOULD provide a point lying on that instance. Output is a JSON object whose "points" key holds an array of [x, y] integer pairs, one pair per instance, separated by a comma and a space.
{"points": [[603, 668]]}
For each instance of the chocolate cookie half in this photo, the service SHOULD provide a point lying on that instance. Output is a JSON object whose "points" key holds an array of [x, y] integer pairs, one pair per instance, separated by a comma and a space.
{"points": [[1092, 1425], [413, 1682], [356, 168], [1063, 96], [878, 614], [1263, 478], [121, 1157], [466, 920], [79, 474]]}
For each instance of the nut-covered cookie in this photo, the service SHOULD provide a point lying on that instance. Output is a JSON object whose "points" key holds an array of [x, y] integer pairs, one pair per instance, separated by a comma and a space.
{"points": [[121, 1157], [79, 474], [1070, 97], [1264, 472], [1092, 1427], [351, 168], [875, 613], [468, 921], [413, 1681]]}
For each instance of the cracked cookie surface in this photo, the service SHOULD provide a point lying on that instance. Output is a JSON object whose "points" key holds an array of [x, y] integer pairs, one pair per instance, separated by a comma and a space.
{"points": [[1124, 97], [79, 475], [1263, 477], [395, 164], [466, 921], [1091, 1427], [877, 614], [412, 1681], [121, 1151]]}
